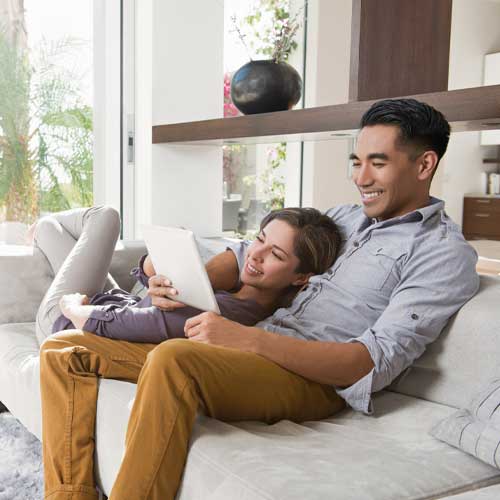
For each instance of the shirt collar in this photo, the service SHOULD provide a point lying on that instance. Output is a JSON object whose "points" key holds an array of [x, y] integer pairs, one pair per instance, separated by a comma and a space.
{"points": [[435, 205], [420, 215]]}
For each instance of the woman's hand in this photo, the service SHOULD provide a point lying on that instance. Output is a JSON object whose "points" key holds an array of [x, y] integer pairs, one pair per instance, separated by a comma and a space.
{"points": [[210, 328], [163, 294], [147, 267]]}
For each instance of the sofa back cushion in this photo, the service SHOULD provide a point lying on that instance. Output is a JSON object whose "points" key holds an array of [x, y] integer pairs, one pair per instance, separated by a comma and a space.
{"points": [[25, 275], [464, 358]]}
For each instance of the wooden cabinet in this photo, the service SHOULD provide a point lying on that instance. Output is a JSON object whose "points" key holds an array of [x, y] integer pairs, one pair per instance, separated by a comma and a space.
{"points": [[481, 217]]}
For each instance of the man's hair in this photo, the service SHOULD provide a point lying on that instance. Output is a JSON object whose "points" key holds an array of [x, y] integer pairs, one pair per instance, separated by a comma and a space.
{"points": [[316, 240], [421, 126]]}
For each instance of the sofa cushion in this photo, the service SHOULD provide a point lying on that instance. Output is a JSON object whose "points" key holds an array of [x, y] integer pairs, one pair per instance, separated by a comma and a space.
{"points": [[348, 457], [476, 428], [25, 275], [465, 356], [488, 493]]}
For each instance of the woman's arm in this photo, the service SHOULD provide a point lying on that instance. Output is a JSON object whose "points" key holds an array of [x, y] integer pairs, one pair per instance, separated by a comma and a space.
{"points": [[130, 323]]}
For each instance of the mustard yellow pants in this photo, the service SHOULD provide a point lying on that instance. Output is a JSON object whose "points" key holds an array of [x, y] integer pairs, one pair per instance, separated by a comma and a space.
{"points": [[175, 380]]}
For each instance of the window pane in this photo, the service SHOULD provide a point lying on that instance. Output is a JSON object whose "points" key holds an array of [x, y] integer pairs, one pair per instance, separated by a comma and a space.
{"points": [[256, 176], [46, 158]]}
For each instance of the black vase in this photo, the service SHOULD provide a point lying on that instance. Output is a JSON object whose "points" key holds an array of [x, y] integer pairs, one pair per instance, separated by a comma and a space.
{"points": [[265, 86]]}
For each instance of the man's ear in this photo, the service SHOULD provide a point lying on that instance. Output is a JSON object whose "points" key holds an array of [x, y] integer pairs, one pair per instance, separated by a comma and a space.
{"points": [[427, 164], [302, 279]]}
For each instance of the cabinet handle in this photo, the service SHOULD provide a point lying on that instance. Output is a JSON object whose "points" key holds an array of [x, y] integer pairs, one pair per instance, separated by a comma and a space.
{"points": [[482, 215], [486, 202]]}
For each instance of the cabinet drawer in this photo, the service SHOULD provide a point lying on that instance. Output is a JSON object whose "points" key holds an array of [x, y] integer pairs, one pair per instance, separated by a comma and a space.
{"points": [[483, 223], [484, 205]]}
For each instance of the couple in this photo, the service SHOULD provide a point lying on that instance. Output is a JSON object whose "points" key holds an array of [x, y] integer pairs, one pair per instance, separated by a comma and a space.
{"points": [[402, 270]]}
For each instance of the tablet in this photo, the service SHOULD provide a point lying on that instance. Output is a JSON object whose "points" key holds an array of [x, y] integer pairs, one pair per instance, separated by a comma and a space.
{"points": [[175, 254]]}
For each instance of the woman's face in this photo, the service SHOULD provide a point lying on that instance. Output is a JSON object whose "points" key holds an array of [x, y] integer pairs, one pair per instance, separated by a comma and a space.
{"points": [[270, 262]]}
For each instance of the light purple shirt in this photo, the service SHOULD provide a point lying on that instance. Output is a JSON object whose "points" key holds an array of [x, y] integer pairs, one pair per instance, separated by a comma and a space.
{"points": [[120, 315]]}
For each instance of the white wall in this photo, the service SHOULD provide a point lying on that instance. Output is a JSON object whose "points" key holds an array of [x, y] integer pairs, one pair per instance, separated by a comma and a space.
{"points": [[474, 32], [326, 181], [182, 81]]}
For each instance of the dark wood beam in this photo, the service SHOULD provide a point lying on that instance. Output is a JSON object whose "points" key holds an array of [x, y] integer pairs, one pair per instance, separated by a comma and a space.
{"points": [[466, 109], [399, 47]]}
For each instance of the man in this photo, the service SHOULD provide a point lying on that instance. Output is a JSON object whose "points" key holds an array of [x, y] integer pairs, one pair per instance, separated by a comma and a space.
{"points": [[404, 269]]}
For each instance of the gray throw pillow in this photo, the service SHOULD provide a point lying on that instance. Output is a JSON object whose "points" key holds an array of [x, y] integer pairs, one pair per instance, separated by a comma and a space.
{"points": [[475, 429]]}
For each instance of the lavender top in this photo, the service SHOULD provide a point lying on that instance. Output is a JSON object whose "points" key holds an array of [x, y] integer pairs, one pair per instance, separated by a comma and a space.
{"points": [[120, 315]]}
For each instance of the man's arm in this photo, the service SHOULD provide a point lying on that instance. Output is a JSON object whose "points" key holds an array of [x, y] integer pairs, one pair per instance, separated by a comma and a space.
{"points": [[331, 363], [324, 362]]}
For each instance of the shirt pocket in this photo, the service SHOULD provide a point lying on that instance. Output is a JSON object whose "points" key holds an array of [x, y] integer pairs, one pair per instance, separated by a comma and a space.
{"points": [[373, 266]]}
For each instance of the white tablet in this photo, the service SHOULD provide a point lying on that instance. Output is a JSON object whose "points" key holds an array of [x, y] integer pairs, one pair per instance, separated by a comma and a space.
{"points": [[175, 254]]}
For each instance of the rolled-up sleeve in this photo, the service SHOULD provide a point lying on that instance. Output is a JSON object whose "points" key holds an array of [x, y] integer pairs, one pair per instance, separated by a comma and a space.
{"points": [[432, 288], [139, 274], [133, 324], [239, 249]]}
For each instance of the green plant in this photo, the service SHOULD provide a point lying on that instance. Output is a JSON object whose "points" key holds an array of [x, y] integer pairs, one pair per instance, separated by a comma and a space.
{"points": [[18, 189], [45, 133]]}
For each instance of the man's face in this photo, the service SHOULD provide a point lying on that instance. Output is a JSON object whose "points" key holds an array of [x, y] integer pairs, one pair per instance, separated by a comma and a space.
{"points": [[384, 173]]}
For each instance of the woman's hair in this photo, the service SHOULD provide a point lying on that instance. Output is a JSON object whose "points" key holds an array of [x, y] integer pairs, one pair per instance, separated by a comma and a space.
{"points": [[316, 241]]}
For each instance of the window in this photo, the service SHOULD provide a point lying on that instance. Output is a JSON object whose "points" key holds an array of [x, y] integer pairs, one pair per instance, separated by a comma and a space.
{"points": [[60, 142], [257, 178]]}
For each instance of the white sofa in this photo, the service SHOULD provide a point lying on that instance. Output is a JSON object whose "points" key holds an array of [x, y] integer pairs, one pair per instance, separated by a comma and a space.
{"points": [[389, 456]]}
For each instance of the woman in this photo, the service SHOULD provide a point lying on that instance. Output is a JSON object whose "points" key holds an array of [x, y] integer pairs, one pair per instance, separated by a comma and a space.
{"points": [[292, 245], [120, 315]]}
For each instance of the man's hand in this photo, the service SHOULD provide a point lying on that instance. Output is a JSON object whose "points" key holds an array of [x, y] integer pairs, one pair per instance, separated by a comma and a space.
{"points": [[163, 294], [210, 328]]}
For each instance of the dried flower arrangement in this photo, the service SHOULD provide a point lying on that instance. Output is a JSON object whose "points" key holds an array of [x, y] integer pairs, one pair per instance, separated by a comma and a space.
{"points": [[276, 41]]}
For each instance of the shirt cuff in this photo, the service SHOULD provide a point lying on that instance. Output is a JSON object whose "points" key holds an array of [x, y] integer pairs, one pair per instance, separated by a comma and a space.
{"points": [[97, 315], [358, 395], [139, 274]]}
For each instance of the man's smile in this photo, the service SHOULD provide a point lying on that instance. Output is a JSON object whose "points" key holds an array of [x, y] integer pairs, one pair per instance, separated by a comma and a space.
{"points": [[370, 196]]}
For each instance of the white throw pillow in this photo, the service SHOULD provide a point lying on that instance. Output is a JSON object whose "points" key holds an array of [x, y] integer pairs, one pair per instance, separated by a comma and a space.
{"points": [[475, 429]]}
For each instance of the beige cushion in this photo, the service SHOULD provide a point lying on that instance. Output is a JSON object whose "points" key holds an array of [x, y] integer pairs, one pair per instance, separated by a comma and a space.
{"points": [[347, 457], [476, 428], [488, 493], [465, 356]]}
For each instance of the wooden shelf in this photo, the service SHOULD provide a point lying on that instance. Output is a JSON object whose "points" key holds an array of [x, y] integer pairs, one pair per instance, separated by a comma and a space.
{"points": [[491, 161], [466, 109]]}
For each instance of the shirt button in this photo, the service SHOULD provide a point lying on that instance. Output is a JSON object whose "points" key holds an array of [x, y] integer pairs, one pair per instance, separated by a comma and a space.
{"points": [[356, 244], [414, 316]]}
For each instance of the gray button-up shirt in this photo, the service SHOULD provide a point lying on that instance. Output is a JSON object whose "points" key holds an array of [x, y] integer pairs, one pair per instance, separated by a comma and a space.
{"points": [[393, 288]]}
